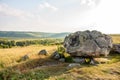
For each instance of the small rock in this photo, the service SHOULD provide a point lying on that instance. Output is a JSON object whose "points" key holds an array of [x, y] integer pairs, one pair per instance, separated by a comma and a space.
{"points": [[79, 60], [24, 58], [43, 52], [62, 59], [56, 55], [92, 62], [115, 49], [73, 65]]}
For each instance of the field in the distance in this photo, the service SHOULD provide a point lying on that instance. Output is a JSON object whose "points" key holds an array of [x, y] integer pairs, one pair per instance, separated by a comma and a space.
{"points": [[40, 67], [116, 38]]}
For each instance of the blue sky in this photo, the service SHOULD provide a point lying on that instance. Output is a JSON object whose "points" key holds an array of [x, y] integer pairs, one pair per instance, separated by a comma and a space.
{"points": [[60, 15]]}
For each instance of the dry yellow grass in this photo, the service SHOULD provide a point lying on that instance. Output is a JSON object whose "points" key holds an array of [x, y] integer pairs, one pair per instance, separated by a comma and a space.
{"points": [[100, 72], [116, 38], [10, 56]]}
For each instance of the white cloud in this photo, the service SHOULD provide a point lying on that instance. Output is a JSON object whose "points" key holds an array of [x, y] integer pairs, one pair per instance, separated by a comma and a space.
{"points": [[48, 6], [9, 11], [90, 3], [83, 2]]}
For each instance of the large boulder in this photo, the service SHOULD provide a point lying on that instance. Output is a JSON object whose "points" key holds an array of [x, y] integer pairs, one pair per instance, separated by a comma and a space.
{"points": [[88, 43]]}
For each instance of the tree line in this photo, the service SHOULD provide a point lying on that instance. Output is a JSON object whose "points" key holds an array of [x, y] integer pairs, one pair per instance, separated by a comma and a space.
{"points": [[12, 43]]}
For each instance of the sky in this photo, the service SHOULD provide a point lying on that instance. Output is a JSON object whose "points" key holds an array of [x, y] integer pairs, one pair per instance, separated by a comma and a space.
{"points": [[60, 15]]}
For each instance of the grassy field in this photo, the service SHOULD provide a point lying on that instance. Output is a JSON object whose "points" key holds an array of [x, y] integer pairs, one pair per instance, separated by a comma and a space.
{"points": [[116, 38], [10, 56], [40, 67]]}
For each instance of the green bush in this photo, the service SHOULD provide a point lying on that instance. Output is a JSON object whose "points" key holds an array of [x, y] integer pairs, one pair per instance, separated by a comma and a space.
{"points": [[1, 65], [61, 50], [68, 59]]}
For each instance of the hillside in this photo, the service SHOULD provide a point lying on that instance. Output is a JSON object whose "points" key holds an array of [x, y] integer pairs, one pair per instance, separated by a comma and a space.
{"points": [[22, 34], [43, 67]]}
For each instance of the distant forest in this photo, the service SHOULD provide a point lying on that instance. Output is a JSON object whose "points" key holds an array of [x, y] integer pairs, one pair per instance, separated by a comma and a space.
{"points": [[11, 43]]}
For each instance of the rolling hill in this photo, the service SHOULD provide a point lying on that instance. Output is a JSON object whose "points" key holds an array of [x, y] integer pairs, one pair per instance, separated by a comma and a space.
{"points": [[22, 34]]}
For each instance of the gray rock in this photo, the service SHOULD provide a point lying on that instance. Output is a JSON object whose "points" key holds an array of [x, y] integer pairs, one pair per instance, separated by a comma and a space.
{"points": [[79, 60], [62, 59], [115, 49], [24, 58], [88, 43], [92, 62], [55, 55], [43, 52], [73, 65]]}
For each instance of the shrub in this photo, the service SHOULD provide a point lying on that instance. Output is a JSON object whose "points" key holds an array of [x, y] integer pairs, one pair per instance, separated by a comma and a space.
{"points": [[68, 59], [1, 65], [61, 50], [63, 54]]}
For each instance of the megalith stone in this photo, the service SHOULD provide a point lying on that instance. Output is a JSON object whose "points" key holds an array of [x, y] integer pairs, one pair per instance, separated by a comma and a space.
{"points": [[88, 43]]}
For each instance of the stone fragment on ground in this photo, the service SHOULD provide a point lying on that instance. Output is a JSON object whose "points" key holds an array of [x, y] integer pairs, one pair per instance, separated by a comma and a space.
{"points": [[43, 52]]}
